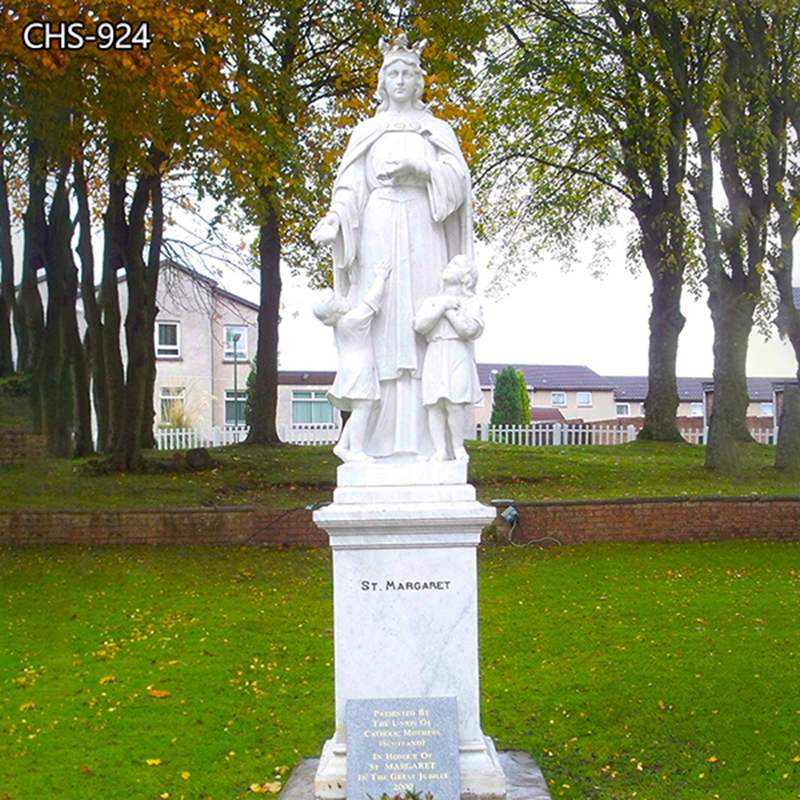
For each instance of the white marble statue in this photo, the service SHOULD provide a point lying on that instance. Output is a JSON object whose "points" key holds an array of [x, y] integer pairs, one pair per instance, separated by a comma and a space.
{"points": [[402, 197], [450, 321], [355, 388]]}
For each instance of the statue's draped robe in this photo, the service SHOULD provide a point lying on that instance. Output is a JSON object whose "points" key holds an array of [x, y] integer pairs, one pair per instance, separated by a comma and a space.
{"points": [[417, 225]]}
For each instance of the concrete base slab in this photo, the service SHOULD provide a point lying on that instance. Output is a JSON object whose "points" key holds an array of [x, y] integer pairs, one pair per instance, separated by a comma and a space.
{"points": [[524, 780]]}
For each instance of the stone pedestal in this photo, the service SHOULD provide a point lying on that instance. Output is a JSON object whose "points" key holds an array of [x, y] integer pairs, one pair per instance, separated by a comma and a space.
{"points": [[404, 538]]}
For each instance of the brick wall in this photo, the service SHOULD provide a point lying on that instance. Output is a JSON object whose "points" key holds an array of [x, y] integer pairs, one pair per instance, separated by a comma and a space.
{"points": [[17, 447], [656, 520], [218, 526]]}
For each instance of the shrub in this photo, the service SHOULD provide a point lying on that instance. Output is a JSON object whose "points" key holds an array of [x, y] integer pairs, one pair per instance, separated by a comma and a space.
{"points": [[16, 385], [507, 403]]}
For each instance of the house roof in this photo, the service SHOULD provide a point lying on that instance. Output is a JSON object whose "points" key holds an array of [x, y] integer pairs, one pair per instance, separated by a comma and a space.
{"points": [[626, 388], [690, 390], [546, 414], [634, 388], [212, 285], [549, 376]]}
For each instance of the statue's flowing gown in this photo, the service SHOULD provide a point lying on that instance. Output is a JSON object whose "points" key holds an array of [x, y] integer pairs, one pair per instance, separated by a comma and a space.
{"points": [[416, 224]]}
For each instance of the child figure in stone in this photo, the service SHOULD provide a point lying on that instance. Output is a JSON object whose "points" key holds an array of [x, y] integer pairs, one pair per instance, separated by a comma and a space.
{"points": [[450, 321], [356, 388]]}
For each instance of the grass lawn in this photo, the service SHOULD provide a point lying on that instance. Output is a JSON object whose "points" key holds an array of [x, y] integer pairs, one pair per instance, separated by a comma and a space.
{"points": [[664, 672], [287, 476]]}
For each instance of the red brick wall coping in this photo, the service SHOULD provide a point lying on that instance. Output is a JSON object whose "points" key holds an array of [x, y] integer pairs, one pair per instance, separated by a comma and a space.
{"points": [[655, 519], [233, 525], [568, 521]]}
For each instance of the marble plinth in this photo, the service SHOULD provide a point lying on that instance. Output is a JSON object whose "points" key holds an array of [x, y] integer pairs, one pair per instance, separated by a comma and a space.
{"points": [[524, 780], [404, 538]]}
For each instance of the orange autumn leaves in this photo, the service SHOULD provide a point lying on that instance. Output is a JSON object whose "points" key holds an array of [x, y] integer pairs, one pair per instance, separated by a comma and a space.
{"points": [[164, 93]]}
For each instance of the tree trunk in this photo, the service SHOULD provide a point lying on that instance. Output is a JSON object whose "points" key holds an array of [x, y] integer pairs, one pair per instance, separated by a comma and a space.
{"points": [[53, 374], [787, 456], [114, 237], [127, 453], [148, 440], [666, 324], [91, 311], [265, 395], [6, 277], [70, 395], [30, 331], [732, 315], [74, 354], [663, 255]]}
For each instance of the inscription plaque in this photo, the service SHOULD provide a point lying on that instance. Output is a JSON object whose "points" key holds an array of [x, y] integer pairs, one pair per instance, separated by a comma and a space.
{"points": [[397, 745]]}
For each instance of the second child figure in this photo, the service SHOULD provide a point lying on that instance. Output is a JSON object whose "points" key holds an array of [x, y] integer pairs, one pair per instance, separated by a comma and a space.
{"points": [[450, 321], [356, 388]]}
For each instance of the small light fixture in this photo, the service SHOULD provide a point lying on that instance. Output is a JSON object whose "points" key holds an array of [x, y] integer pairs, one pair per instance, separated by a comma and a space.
{"points": [[510, 515]]}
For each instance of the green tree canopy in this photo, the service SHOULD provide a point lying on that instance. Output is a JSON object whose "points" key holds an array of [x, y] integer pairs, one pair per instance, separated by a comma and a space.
{"points": [[524, 399]]}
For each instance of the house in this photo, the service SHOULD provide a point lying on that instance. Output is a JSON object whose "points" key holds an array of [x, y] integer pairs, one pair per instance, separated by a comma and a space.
{"points": [[631, 392], [206, 339], [303, 402], [576, 391]]}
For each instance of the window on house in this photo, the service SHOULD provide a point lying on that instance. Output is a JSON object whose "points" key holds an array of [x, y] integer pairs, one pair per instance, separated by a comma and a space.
{"points": [[172, 406], [231, 332], [309, 406], [767, 410], [584, 398], [696, 409], [623, 409], [558, 398], [168, 344], [235, 403]]}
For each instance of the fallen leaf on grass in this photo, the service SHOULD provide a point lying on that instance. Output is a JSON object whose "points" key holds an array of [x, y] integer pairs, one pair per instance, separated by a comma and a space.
{"points": [[152, 762], [185, 775], [159, 694], [106, 679], [27, 707], [265, 788]]}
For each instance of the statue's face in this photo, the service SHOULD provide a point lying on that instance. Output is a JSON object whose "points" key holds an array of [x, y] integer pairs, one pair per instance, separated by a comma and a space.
{"points": [[400, 81]]}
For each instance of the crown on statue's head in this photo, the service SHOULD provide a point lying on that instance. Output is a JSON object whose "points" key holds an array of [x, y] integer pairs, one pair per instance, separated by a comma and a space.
{"points": [[399, 49]]}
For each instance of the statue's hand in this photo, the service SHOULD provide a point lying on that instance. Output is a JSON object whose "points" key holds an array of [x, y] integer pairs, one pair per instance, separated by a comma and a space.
{"points": [[325, 230], [402, 168]]}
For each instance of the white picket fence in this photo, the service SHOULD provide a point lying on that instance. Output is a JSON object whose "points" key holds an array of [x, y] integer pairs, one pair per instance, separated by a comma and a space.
{"points": [[218, 436], [537, 435], [185, 438], [560, 434], [555, 433], [310, 433]]}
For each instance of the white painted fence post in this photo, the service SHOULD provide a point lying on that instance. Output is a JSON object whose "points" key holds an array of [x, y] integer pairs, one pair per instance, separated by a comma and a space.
{"points": [[557, 433], [631, 433]]}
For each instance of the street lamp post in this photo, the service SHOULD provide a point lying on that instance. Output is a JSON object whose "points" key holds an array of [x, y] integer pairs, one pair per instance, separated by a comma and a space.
{"points": [[236, 337]]}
